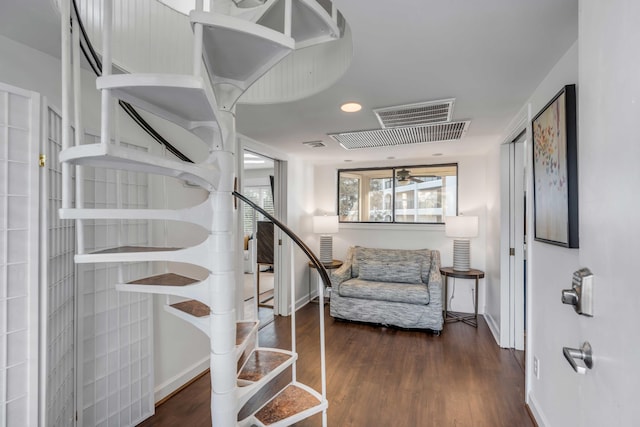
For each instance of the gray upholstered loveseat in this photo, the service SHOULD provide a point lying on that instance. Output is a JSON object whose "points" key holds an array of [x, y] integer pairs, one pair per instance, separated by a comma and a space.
{"points": [[397, 287]]}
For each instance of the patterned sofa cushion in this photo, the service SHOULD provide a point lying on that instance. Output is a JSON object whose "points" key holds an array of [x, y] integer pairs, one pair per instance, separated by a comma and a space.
{"points": [[408, 271], [420, 256], [385, 291]]}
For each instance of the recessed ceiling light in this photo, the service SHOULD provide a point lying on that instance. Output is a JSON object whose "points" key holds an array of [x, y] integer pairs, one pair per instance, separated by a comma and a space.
{"points": [[350, 107]]}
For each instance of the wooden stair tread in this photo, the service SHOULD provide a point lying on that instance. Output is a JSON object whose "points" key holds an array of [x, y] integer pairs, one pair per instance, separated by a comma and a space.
{"points": [[133, 249], [167, 279], [189, 255], [289, 402], [243, 330], [193, 307], [260, 363], [198, 309]]}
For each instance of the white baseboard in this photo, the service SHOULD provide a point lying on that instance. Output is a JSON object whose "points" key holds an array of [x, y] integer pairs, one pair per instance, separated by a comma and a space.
{"points": [[174, 383], [301, 302], [534, 407], [493, 327]]}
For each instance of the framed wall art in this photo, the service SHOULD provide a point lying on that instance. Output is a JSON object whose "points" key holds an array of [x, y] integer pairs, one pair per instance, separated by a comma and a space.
{"points": [[555, 171]]}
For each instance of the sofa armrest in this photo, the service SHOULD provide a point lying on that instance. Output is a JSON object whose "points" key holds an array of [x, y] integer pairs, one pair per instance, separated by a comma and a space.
{"points": [[435, 288], [435, 280], [340, 275], [344, 272]]}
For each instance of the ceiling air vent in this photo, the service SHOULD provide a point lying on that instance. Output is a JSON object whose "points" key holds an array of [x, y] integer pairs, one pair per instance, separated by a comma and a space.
{"points": [[422, 113], [314, 144], [402, 136]]}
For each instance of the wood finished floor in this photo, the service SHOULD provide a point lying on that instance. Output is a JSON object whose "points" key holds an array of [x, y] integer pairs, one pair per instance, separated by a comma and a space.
{"points": [[383, 377]]}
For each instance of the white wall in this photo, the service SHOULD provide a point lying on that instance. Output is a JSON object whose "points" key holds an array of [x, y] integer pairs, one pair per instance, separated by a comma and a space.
{"points": [[30, 69], [492, 248], [471, 201], [609, 108], [181, 352], [299, 213], [550, 269]]}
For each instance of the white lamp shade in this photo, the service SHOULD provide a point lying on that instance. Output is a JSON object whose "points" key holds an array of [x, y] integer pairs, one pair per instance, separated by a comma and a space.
{"points": [[461, 226], [325, 224]]}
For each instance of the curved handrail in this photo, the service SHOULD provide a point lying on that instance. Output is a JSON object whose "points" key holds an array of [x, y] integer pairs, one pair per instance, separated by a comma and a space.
{"points": [[308, 252]]}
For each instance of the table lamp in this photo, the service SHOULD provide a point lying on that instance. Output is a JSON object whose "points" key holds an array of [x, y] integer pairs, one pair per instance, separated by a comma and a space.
{"points": [[325, 226], [461, 228]]}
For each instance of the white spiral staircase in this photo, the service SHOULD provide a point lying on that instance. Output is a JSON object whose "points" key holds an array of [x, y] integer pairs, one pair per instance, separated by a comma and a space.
{"points": [[231, 51]]}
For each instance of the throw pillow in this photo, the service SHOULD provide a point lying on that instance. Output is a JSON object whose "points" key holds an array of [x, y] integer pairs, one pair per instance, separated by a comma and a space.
{"points": [[391, 271]]}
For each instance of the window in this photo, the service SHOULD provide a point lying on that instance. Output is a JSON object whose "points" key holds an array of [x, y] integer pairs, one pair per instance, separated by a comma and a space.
{"points": [[261, 196], [407, 194]]}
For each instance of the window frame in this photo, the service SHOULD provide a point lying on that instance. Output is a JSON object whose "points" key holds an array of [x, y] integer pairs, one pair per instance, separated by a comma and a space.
{"points": [[394, 170]]}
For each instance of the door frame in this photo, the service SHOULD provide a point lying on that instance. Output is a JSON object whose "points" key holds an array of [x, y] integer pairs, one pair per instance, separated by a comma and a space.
{"points": [[513, 254], [512, 275], [282, 246]]}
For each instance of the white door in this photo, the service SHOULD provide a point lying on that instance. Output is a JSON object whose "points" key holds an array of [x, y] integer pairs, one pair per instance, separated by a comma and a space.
{"points": [[513, 256], [19, 242]]}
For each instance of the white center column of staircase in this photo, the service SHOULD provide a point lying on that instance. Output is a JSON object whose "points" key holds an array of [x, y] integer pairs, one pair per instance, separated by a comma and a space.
{"points": [[222, 283]]}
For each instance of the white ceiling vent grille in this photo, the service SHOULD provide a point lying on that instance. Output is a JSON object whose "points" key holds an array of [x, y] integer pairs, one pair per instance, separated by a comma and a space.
{"points": [[422, 113], [402, 136], [314, 144]]}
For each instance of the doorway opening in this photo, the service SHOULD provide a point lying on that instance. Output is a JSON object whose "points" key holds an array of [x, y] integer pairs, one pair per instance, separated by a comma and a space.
{"points": [[258, 184]]}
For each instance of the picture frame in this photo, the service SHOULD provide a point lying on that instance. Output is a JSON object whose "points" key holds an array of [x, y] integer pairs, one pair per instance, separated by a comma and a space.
{"points": [[555, 171]]}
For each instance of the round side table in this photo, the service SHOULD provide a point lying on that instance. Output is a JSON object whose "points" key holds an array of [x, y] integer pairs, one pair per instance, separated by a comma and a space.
{"points": [[450, 316]]}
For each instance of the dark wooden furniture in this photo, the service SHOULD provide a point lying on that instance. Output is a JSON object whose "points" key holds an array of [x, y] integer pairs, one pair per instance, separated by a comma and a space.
{"points": [[335, 264], [451, 316], [264, 255], [264, 238]]}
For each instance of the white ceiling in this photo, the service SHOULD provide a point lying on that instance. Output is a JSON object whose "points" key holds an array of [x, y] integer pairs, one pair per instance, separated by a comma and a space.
{"points": [[489, 55]]}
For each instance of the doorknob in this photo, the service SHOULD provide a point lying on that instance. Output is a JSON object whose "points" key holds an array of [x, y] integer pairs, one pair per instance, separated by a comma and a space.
{"points": [[570, 296], [580, 296], [584, 353]]}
